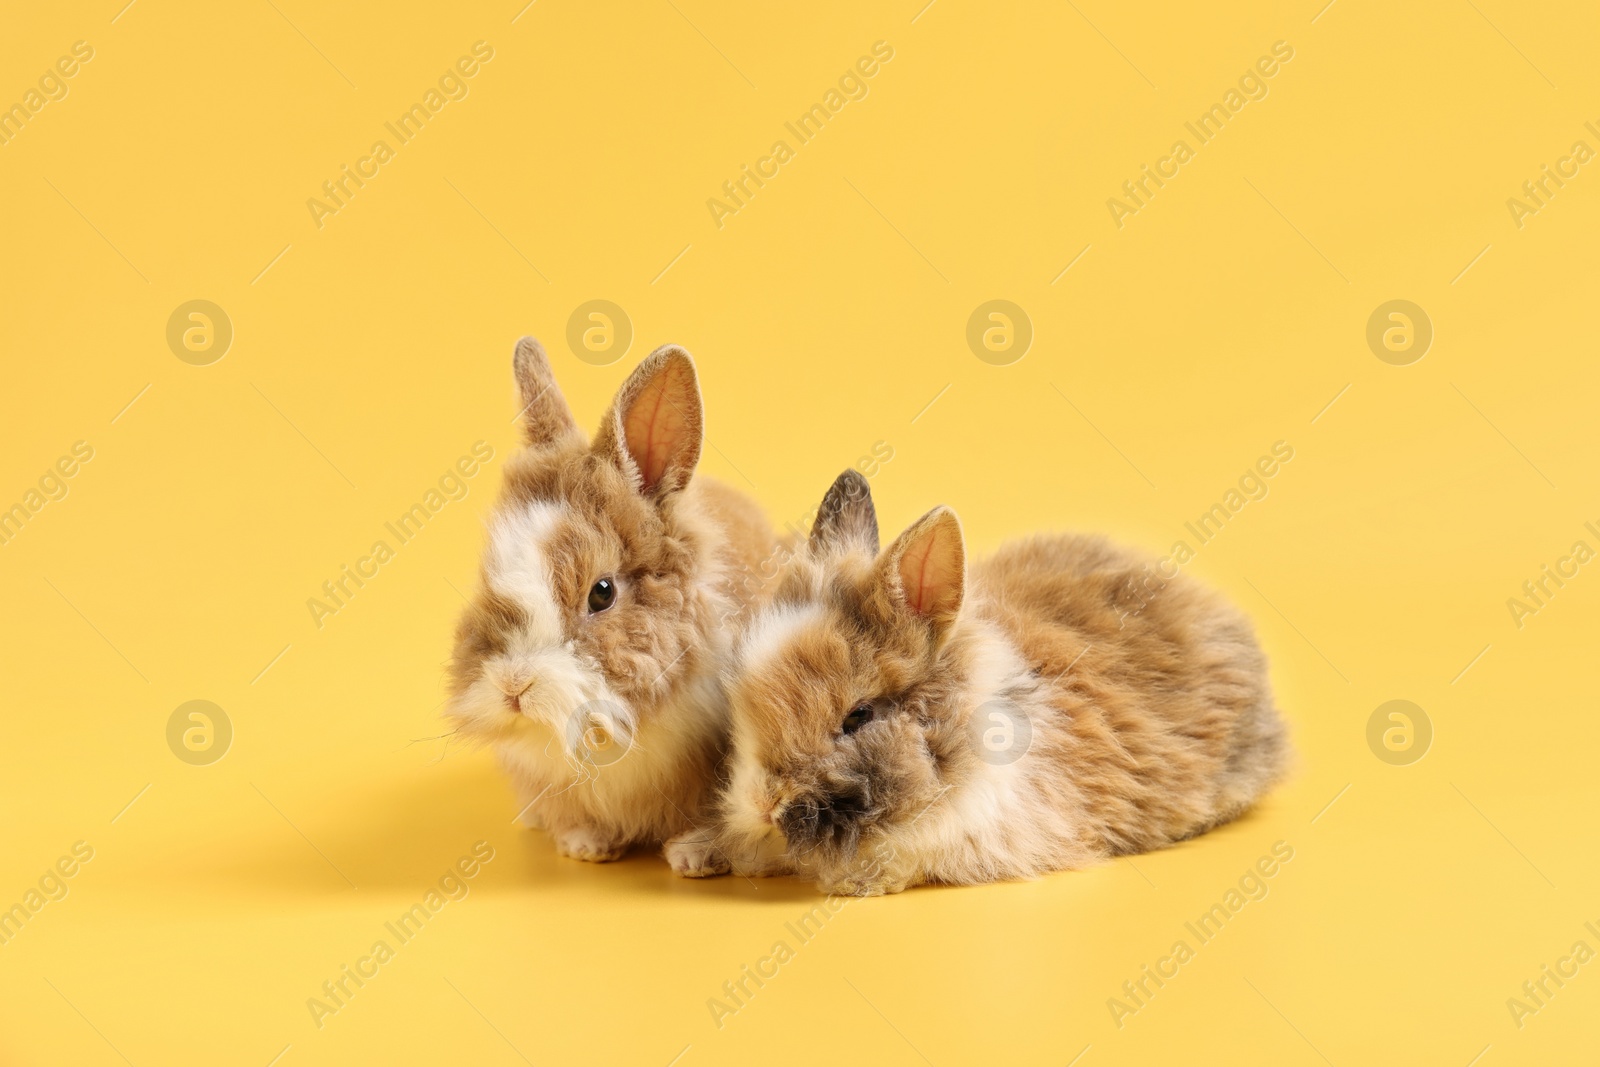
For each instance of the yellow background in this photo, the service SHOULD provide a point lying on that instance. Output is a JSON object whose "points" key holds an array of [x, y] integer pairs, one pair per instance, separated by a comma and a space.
{"points": [[825, 316]]}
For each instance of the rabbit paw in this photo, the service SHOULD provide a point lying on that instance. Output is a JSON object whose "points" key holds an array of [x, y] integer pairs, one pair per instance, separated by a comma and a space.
{"points": [[863, 886], [589, 846], [693, 855]]}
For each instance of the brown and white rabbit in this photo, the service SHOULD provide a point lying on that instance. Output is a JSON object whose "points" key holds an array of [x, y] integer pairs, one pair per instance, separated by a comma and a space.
{"points": [[897, 720], [612, 586]]}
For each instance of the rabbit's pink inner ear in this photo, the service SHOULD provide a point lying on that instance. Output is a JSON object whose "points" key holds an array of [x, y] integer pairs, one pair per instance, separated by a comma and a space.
{"points": [[932, 566], [661, 426]]}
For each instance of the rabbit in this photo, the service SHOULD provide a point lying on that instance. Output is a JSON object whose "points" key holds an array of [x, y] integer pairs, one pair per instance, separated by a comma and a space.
{"points": [[591, 655], [898, 720]]}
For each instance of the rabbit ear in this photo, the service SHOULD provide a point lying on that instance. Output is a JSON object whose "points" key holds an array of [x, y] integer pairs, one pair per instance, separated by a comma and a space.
{"points": [[546, 419], [654, 428], [925, 570], [846, 516]]}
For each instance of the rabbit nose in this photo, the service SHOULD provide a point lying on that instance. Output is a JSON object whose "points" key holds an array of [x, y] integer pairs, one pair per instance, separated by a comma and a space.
{"points": [[513, 690]]}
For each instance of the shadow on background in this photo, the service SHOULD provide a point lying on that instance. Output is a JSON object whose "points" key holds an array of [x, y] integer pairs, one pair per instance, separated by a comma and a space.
{"points": [[402, 839]]}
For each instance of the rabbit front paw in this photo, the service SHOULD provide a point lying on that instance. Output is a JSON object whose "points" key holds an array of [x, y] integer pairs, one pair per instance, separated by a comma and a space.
{"points": [[870, 883], [588, 845], [694, 854]]}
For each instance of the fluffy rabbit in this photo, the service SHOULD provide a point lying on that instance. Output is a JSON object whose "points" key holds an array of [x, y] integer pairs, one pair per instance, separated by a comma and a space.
{"points": [[613, 580], [897, 720]]}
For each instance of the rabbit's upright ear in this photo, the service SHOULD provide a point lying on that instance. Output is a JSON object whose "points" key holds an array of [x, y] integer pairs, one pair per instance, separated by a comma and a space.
{"points": [[846, 517], [545, 417], [655, 426], [924, 572]]}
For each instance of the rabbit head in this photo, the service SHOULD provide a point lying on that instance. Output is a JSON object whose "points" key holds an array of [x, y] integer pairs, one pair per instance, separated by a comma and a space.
{"points": [[597, 603], [842, 687]]}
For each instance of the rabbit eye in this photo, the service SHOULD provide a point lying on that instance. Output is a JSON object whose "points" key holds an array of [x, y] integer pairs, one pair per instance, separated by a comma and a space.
{"points": [[858, 717], [602, 595]]}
